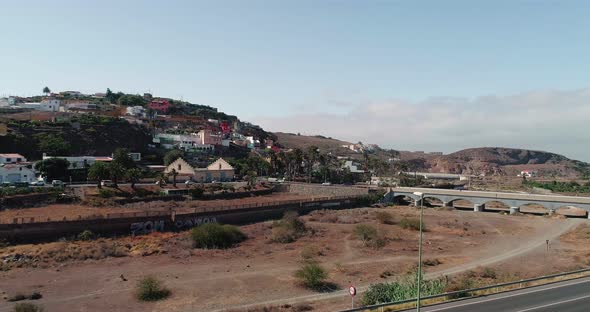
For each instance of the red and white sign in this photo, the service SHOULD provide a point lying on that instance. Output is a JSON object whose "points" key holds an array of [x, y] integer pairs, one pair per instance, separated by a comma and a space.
{"points": [[352, 291]]}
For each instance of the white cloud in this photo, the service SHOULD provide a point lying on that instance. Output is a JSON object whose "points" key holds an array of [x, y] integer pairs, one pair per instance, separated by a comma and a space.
{"points": [[556, 121]]}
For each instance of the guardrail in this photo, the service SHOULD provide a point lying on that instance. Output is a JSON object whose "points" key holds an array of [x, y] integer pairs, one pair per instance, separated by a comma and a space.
{"points": [[461, 292]]}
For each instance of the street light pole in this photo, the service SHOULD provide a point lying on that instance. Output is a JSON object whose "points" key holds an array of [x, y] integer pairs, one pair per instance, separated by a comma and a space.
{"points": [[420, 249]]}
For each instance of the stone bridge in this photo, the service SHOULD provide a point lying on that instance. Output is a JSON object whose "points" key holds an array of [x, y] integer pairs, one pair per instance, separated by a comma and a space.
{"points": [[479, 199]]}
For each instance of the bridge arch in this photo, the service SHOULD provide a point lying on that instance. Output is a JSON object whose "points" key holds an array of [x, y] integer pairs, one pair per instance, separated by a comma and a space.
{"points": [[535, 208], [496, 205]]}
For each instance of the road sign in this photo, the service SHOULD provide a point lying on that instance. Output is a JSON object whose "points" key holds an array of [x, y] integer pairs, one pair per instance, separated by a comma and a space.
{"points": [[352, 291]]}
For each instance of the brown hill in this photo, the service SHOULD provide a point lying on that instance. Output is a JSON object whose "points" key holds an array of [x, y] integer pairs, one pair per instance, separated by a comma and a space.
{"points": [[500, 161]]}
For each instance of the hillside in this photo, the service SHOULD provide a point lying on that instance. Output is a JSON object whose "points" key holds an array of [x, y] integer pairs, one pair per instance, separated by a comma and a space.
{"points": [[500, 161], [291, 140]]}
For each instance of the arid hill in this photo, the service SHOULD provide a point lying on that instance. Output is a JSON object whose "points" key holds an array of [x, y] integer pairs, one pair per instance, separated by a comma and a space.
{"points": [[498, 161]]}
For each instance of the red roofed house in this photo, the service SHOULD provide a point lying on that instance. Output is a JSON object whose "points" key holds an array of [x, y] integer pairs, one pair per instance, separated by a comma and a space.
{"points": [[161, 105], [11, 158]]}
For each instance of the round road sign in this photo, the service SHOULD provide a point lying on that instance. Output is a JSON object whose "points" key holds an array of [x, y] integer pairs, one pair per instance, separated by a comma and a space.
{"points": [[352, 291]]}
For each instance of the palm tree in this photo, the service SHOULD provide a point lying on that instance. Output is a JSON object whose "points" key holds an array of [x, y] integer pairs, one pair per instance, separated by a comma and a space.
{"points": [[46, 90]]}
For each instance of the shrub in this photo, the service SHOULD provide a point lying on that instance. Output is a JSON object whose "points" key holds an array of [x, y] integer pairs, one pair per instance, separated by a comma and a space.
{"points": [[369, 236], [384, 217], [27, 307], [151, 289], [105, 193], [312, 276], [214, 235], [17, 297], [197, 193], [403, 289], [462, 283], [288, 229], [86, 235], [411, 224], [488, 273]]}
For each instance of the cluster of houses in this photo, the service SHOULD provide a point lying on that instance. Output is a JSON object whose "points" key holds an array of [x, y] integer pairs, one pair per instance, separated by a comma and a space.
{"points": [[14, 168]]}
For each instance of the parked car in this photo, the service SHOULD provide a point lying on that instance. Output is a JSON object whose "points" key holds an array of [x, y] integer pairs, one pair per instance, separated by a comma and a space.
{"points": [[327, 183], [107, 183], [37, 183], [57, 183], [190, 182]]}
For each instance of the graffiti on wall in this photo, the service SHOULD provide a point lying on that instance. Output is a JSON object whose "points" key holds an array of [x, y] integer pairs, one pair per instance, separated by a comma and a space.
{"points": [[147, 227], [188, 223]]}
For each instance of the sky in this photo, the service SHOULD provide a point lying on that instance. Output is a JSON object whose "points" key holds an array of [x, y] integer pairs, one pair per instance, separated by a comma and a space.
{"points": [[410, 75]]}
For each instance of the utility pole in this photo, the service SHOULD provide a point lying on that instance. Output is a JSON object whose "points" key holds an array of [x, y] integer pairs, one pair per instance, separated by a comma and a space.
{"points": [[420, 249]]}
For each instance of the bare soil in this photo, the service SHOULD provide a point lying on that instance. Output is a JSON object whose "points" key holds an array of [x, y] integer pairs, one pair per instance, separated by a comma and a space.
{"points": [[101, 275]]}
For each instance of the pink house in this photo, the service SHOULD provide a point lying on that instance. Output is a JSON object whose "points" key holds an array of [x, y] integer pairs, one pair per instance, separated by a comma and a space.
{"points": [[160, 105]]}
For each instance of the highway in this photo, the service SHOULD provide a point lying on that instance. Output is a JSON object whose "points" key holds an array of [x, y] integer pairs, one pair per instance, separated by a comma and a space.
{"points": [[568, 296]]}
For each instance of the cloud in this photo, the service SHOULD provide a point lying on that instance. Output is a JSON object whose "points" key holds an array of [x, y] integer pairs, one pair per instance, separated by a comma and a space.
{"points": [[556, 121]]}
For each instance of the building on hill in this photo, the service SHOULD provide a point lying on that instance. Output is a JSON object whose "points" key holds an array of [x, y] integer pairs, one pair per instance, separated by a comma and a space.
{"points": [[12, 158], [187, 142], [160, 105], [12, 173], [50, 105], [220, 171], [352, 167]]}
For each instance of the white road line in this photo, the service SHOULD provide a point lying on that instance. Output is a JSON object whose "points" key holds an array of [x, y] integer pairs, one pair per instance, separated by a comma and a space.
{"points": [[506, 296], [554, 303]]}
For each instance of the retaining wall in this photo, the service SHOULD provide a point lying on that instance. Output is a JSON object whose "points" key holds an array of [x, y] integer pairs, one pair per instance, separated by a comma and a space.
{"points": [[163, 221]]}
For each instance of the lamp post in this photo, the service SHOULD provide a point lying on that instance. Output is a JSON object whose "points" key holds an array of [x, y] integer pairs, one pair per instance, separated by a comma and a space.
{"points": [[421, 195]]}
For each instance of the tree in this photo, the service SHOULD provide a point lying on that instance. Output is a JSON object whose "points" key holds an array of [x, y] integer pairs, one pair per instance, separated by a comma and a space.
{"points": [[46, 90], [133, 175], [174, 174], [122, 158], [117, 171], [99, 171], [172, 155], [53, 168], [311, 156], [53, 144], [131, 100]]}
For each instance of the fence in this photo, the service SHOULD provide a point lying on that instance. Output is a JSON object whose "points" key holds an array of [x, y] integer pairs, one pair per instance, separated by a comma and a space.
{"points": [[520, 284]]}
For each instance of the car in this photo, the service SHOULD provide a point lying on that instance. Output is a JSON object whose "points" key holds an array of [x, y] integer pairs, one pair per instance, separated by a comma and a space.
{"points": [[327, 183], [107, 183], [57, 183], [189, 182], [37, 183]]}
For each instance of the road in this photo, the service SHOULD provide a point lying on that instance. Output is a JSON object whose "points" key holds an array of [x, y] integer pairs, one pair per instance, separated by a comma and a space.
{"points": [[568, 296]]}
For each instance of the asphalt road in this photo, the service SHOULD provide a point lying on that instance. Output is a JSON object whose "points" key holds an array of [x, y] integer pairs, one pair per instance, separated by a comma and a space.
{"points": [[569, 296]]}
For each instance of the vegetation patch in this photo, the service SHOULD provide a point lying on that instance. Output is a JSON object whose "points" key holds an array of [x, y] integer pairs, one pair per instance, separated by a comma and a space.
{"points": [[313, 276], [369, 236], [411, 224], [288, 229], [384, 217], [27, 307], [216, 236], [406, 288], [151, 289]]}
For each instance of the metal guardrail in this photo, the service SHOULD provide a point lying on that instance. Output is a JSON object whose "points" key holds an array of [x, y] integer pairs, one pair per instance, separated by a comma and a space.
{"points": [[459, 292]]}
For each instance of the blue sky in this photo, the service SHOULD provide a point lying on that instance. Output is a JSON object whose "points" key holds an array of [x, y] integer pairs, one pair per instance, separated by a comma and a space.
{"points": [[277, 62]]}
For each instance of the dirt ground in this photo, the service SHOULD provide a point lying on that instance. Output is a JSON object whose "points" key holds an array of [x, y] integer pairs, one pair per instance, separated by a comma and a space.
{"points": [[75, 276], [58, 212]]}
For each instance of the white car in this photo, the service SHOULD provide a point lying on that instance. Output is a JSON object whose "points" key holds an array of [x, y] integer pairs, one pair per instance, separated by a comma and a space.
{"points": [[327, 183], [190, 182]]}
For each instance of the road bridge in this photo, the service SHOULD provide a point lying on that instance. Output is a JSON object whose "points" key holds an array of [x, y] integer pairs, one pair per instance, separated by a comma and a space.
{"points": [[479, 198]]}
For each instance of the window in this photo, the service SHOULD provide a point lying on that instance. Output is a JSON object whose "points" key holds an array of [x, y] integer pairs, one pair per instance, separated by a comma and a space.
{"points": [[179, 167], [8, 159]]}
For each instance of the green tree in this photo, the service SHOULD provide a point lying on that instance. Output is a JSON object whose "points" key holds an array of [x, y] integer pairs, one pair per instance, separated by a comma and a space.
{"points": [[46, 90], [131, 100], [174, 174], [53, 145], [117, 172], [172, 155], [99, 171], [53, 168], [133, 175], [122, 158]]}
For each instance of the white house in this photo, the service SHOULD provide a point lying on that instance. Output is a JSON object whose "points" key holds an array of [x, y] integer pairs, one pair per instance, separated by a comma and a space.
{"points": [[182, 141], [138, 111], [352, 167], [11, 158], [220, 170], [49, 105], [4, 102], [16, 173]]}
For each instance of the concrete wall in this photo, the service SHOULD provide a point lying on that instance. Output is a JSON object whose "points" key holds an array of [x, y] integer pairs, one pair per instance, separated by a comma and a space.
{"points": [[47, 231], [325, 190]]}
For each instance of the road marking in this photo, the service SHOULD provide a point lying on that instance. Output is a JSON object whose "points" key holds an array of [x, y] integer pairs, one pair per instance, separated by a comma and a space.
{"points": [[507, 296], [554, 303]]}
